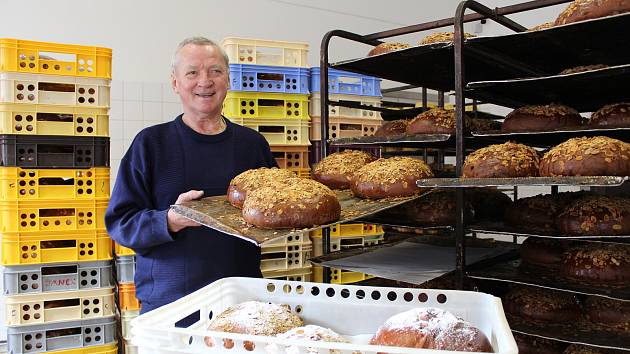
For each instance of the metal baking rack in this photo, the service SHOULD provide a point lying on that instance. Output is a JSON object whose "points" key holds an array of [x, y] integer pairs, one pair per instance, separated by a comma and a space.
{"points": [[547, 139], [416, 140], [584, 181], [499, 228]]}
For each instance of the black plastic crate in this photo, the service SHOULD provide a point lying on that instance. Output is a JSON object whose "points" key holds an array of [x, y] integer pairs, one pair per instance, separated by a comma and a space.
{"points": [[45, 151]]}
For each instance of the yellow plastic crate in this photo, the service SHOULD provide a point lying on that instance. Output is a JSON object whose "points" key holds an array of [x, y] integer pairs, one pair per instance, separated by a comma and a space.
{"points": [[291, 157], [339, 276], [339, 111], [97, 349], [55, 58], [302, 172], [276, 258], [58, 90], [120, 250], [351, 230], [265, 52], [37, 184], [240, 104], [54, 246], [127, 299], [34, 119], [294, 239], [338, 243], [345, 127], [279, 131], [59, 306], [53, 215], [298, 274]]}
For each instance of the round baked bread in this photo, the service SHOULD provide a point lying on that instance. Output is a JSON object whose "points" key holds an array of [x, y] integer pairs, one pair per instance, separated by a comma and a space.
{"points": [[388, 47], [580, 69], [612, 116], [541, 118], [607, 264], [609, 313], [254, 317], [536, 345], [442, 37], [484, 125], [596, 215], [253, 179], [394, 127], [542, 305], [434, 121], [437, 208], [596, 156], [581, 10], [391, 177], [502, 160], [336, 170], [431, 328], [488, 203], [302, 203], [542, 252], [540, 212], [541, 26], [585, 349]]}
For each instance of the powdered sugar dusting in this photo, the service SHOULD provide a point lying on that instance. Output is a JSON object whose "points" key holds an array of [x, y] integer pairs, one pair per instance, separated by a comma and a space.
{"points": [[254, 317], [420, 318], [314, 333]]}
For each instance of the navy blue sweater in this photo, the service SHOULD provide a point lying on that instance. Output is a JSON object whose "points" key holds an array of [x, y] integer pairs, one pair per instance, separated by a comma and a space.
{"points": [[164, 161]]}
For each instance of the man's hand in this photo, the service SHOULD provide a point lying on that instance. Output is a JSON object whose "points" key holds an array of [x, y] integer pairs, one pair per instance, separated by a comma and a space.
{"points": [[177, 222]]}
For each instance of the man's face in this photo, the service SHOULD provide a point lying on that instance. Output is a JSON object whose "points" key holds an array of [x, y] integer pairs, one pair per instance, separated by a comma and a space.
{"points": [[201, 80]]}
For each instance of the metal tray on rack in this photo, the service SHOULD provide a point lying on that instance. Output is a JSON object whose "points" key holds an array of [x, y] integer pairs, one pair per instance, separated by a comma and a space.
{"points": [[552, 138], [415, 139], [509, 269], [574, 90], [582, 332], [604, 181], [217, 213]]}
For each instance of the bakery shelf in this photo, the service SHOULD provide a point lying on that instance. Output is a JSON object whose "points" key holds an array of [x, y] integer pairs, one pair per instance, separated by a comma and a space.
{"points": [[574, 90], [508, 269], [582, 181], [551, 138], [415, 139]]}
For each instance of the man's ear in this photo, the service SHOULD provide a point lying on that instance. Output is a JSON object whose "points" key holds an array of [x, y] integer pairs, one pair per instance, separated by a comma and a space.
{"points": [[174, 82]]}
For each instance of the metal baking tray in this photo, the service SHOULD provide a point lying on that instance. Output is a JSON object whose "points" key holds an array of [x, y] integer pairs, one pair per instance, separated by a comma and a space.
{"points": [[606, 181], [574, 90], [552, 138], [395, 139], [509, 270], [217, 213], [500, 228], [581, 332]]}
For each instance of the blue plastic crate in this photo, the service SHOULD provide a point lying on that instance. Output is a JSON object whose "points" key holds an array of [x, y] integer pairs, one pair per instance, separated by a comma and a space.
{"points": [[262, 78], [347, 83]]}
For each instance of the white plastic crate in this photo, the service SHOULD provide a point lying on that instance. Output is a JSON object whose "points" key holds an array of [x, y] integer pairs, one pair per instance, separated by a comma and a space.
{"points": [[125, 322], [353, 311], [284, 257], [54, 89], [125, 269], [265, 52], [339, 111]]}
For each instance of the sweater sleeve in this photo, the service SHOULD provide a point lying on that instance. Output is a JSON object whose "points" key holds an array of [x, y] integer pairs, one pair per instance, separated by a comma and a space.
{"points": [[131, 218]]}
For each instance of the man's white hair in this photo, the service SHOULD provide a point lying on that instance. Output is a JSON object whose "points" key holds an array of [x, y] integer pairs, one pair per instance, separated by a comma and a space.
{"points": [[199, 41]]}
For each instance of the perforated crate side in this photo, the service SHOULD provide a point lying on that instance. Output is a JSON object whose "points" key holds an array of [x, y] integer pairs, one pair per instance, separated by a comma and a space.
{"points": [[351, 229], [339, 111], [40, 119], [18, 183], [127, 297], [238, 104], [347, 83], [298, 274], [45, 278], [265, 52], [29, 309], [339, 276], [338, 243], [37, 247], [125, 322], [290, 157], [74, 336], [284, 257], [262, 78], [345, 127], [56, 90], [279, 131], [53, 215], [294, 239], [46, 151], [125, 269]]}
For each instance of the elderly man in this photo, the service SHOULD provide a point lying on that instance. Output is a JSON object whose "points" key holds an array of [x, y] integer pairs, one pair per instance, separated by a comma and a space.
{"points": [[194, 155]]}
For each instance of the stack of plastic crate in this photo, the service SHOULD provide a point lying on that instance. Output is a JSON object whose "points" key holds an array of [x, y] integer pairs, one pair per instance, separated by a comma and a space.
{"points": [[54, 189], [269, 87], [128, 304], [287, 258], [344, 236]]}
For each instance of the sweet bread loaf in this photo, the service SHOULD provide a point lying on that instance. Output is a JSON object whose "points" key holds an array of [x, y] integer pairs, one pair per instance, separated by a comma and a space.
{"points": [[596, 215], [585, 349], [442, 37], [542, 305], [434, 121], [606, 265], [541, 118], [391, 177], [502, 160], [388, 47], [394, 127], [581, 10], [336, 170], [431, 328], [542, 252], [252, 179], [596, 156], [488, 203], [299, 204], [536, 345], [540, 212], [608, 313], [541, 26], [580, 69], [612, 116], [437, 208]]}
